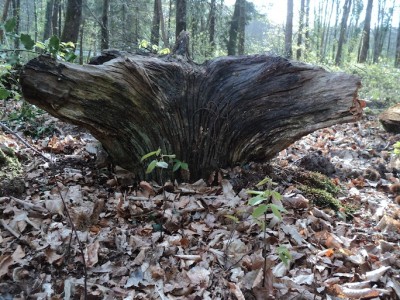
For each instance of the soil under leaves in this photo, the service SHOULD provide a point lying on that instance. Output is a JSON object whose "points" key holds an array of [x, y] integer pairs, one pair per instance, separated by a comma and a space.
{"points": [[142, 241]]}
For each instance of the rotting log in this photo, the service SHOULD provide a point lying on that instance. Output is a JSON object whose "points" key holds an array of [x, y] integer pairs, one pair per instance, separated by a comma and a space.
{"points": [[226, 111], [390, 119]]}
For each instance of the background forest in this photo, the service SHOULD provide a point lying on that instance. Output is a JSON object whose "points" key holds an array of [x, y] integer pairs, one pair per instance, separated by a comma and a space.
{"points": [[358, 36]]}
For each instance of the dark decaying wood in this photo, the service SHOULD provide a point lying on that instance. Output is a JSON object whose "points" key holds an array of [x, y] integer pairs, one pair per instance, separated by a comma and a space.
{"points": [[390, 119], [227, 111]]}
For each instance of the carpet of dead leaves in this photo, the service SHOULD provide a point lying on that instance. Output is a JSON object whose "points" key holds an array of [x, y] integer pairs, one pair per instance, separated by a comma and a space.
{"points": [[143, 241]]}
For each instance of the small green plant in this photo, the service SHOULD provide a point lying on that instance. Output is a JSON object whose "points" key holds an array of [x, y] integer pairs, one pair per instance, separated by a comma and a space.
{"points": [[159, 161], [146, 46], [264, 202], [396, 148], [57, 49]]}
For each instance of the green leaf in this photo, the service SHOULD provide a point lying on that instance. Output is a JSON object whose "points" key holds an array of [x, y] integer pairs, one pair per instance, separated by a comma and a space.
{"points": [[184, 166], [251, 192], [164, 51], [10, 24], [260, 210], [177, 165], [284, 254], [276, 195], [257, 200], [27, 41], [171, 156], [70, 57], [151, 166], [54, 45], [157, 152], [264, 181], [276, 211], [233, 218], [4, 93], [40, 45], [68, 45], [143, 44], [162, 164]]}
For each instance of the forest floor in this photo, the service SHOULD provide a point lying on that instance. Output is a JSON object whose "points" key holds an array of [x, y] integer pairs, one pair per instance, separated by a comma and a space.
{"points": [[196, 241]]}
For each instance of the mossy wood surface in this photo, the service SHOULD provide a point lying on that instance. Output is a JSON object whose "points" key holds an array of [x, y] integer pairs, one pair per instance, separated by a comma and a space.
{"points": [[226, 111]]}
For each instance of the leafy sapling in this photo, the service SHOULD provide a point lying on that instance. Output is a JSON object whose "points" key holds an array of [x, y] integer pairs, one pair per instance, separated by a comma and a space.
{"points": [[265, 201], [163, 161]]}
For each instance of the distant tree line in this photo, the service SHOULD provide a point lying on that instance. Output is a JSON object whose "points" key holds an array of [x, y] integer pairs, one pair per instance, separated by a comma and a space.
{"points": [[327, 31]]}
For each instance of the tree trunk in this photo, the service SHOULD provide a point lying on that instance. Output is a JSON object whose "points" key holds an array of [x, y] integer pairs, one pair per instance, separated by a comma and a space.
{"points": [[233, 29], [54, 17], [343, 27], [242, 27], [105, 36], [4, 17], [73, 16], [17, 16], [363, 52], [162, 25], [180, 17], [289, 30], [48, 19], [397, 57], [155, 28], [301, 29], [307, 33], [211, 29], [210, 119]]}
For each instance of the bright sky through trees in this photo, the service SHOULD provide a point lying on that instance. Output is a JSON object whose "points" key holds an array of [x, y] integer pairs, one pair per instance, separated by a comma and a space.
{"points": [[276, 9]]}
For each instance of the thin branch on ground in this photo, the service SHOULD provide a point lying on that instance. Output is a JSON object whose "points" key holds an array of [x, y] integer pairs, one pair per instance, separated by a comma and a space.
{"points": [[24, 142]]}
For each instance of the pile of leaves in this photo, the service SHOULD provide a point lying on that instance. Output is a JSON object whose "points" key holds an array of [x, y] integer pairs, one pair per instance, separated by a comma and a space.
{"points": [[81, 227]]}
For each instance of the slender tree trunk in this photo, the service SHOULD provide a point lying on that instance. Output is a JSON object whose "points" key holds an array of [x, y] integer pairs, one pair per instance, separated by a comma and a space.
{"points": [[155, 28], [233, 29], [162, 25], [180, 17], [81, 43], [301, 29], [4, 17], [242, 27], [364, 47], [211, 29], [334, 44], [324, 25], [47, 22], [105, 36], [73, 17], [35, 16], [343, 27], [384, 20], [397, 58], [17, 16], [307, 33], [59, 19], [289, 30], [54, 17]]}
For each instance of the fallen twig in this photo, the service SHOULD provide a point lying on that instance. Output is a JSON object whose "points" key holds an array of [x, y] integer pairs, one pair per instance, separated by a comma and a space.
{"points": [[14, 233], [24, 142], [30, 206]]}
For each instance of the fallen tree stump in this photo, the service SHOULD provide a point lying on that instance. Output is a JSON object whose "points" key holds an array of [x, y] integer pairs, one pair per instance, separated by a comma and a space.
{"points": [[390, 119], [227, 111]]}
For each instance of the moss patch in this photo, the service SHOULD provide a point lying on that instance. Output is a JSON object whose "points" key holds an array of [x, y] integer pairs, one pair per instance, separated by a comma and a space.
{"points": [[321, 198], [318, 181], [10, 171]]}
